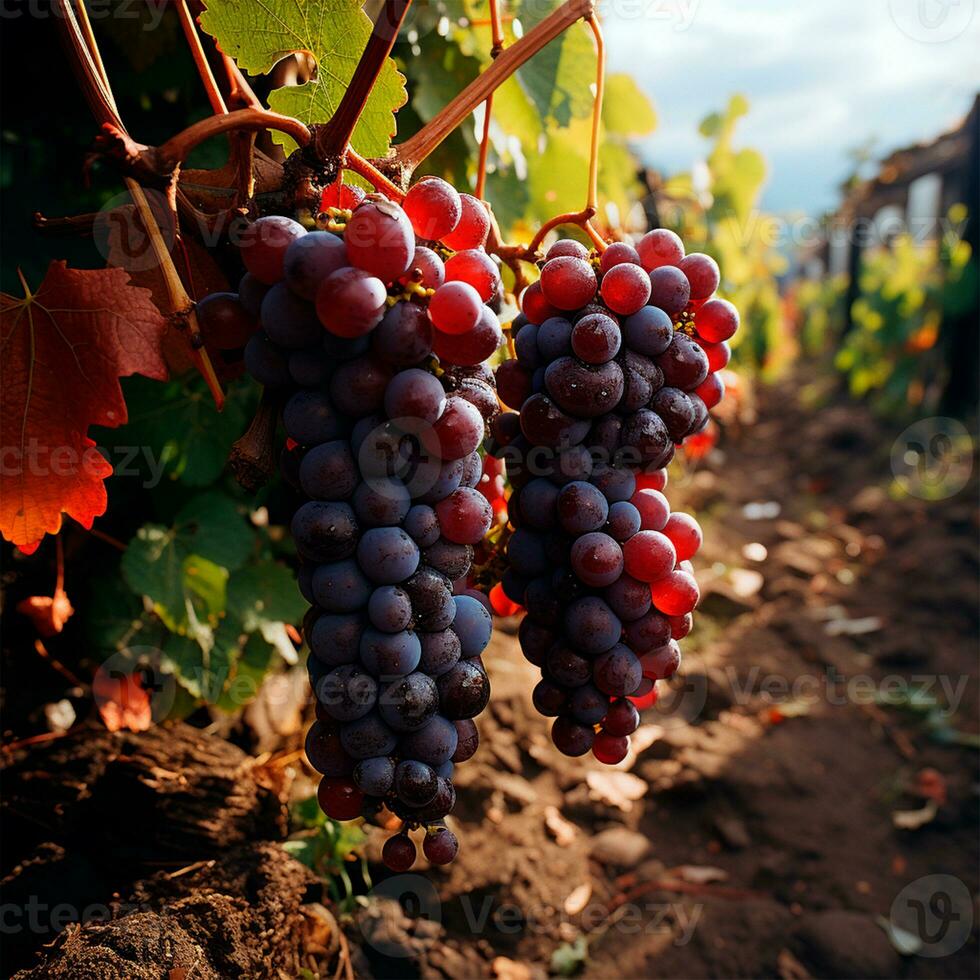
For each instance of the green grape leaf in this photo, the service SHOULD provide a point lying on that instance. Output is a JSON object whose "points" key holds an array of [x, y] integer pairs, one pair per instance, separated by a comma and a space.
{"points": [[265, 591], [152, 566], [206, 581], [183, 569], [558, 179], [114, 617], [559, 78], [444, 72], [264, 597], [202, 673], [249, 663], [212, 522], [516, 115], [510, 195], [178, 431], [260, 33], [626, 111]]}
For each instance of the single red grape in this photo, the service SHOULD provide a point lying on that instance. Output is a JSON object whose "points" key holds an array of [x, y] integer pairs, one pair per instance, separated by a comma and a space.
{"points": [[568, 282], [567, 246], [473, 226], [596, 338], [655, 480], [616, 254], [680, 626], [653, 507], [455, 307], [610, 748], [464, 516], [341, 195], [662, 663], [684, 533], [669, 289], [379, 239], [621, 719], [676, 593], [717, 320], [702, 273], [427, 269], [535, 306], [597, 559], [350, 302], [625, 288], [340, 799], [398, 853], [718, 354], [440, 845], [649, 555], [263, 246], [475, 267], [434, 208], [659, 247], [711, 390]]}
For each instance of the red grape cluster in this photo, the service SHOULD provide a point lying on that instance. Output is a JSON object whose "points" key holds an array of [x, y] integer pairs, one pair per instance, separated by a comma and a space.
{"points": [[617, 361], [376, 334]]}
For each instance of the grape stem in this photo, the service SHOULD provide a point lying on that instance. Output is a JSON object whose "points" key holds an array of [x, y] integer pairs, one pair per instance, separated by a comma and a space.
{"points": [[416, 148], [600, 84], [177, 148], [367, 170], [252, 457], [200, 59], [334, 138], [497, 46], [83, 51], [513, 255], [160, 162], [239, 91]]}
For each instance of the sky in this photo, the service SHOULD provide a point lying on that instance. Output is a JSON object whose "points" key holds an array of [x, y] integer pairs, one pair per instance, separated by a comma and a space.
{"points": [[821, 78]]}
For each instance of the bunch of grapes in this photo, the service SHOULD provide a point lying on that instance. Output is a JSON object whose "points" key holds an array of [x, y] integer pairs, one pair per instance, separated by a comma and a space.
{"points": [[375, 332], [617, 361]]}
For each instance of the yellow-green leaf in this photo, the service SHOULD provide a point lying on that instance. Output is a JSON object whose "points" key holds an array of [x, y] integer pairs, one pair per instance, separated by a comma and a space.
{"points": [[626, 111], [260, 33]]}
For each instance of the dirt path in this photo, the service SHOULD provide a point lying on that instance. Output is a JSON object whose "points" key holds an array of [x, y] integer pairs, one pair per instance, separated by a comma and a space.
{"points": [[756, 833]]}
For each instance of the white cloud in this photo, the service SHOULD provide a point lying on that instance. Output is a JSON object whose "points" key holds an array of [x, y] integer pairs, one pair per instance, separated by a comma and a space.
{"points": [[820, 80]]}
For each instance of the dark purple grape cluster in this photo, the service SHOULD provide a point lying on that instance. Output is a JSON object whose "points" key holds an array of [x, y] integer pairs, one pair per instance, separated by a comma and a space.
{"points": [[375, 334], [615, 366]]}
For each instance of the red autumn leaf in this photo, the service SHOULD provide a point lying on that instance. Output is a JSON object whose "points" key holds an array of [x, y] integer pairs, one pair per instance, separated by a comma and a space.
{"points": [[65, 347], [48, 613], [503, 606], [126, 246], [122, 701], [699, 445]]}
